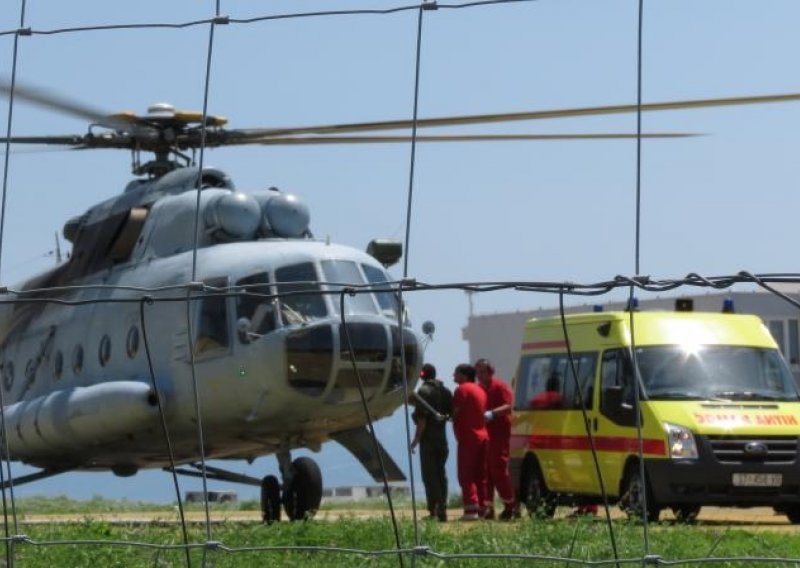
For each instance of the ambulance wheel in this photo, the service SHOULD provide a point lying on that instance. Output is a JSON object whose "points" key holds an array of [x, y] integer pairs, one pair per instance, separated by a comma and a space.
{"points": [[270, 499], [686, 514], [792, 513], [634, 493], [303, 494], [533, 492]]}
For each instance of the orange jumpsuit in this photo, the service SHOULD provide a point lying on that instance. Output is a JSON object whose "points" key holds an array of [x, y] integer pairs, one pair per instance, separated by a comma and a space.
{"points": [[469, 404], [498, 393]]}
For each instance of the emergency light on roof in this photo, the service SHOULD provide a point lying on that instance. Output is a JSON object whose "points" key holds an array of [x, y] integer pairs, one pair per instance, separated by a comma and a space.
{"points": [[633, 305], [597, 308], [684, 305], [727, 306]]}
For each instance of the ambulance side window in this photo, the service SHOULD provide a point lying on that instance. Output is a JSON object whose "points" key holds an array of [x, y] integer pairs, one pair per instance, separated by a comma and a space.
{"points": [[616, 387], [531, 377], [584, 365], [546, 382]]}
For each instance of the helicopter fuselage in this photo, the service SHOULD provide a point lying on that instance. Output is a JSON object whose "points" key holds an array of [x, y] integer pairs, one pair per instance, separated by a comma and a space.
{"points": [[247, 330]]}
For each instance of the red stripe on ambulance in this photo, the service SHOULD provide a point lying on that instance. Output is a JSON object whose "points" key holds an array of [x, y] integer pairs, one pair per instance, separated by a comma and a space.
{"points": [[650, 446]]}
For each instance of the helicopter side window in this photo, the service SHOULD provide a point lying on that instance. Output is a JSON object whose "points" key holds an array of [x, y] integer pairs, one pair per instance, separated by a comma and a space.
{"points": [[58, 365], [77, 359], [104, 351], [386, 300], [304, 307], [346, 272], [253, 305], [212, 333], [8, 375]]}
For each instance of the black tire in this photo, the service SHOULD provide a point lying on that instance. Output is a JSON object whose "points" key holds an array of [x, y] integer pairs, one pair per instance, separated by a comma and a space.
{"points": [[303, 495], [634, 492], [270, 499], [533, 492], [686, 514], [792, 513]]}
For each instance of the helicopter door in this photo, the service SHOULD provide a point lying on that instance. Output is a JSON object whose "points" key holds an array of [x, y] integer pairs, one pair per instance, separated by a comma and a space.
{"points": [[212, 328]]}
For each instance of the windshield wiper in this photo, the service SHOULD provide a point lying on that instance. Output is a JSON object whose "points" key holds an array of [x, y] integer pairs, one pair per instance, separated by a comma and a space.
{"points": [[752, 395], [675, 394]]}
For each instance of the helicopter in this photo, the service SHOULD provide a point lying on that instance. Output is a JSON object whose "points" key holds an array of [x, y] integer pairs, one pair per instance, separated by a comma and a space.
{"points": [[188, 304]]}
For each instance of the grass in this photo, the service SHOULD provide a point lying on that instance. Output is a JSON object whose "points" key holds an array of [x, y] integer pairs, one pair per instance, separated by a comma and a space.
{"points": [[97, 543]]}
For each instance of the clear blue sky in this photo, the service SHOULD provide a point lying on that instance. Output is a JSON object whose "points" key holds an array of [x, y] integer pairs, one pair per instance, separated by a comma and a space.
{"points": [[502, 211]]}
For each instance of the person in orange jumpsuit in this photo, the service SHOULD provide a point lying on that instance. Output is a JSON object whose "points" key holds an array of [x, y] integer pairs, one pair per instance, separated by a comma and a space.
{"points": [[498, 423], [469, 407]]}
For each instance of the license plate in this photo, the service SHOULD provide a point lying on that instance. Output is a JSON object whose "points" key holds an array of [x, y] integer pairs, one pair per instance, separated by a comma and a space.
{"points": [[757, 479]]}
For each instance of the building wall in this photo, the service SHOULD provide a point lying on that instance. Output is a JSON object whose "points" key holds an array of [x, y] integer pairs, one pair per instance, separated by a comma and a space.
{"points": [[498, 336]]}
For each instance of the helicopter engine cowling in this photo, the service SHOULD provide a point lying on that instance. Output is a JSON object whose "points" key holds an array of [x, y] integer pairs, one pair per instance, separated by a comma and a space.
{"points": [[282, 214], [69, 418], [233, 216]]}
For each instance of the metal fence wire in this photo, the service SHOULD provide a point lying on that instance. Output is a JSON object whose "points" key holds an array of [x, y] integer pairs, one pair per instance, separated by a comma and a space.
{"points": [[409, 546]]}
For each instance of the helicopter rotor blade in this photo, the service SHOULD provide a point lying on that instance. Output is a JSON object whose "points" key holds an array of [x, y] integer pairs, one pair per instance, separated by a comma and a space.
{"points": [[239, 136], [179, 130], [49, 100], [313, 140]]}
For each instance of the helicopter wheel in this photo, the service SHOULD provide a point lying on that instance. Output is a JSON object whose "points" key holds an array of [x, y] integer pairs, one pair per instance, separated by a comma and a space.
{"points": [[270, 499], [303, 494]]}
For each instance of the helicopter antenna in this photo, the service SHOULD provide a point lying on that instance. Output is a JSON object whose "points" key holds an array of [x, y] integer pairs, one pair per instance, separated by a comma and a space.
{"points": [[58, 249]]}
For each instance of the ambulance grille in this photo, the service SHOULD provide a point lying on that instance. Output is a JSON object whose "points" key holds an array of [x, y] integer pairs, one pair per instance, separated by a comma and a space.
{"points": [[753, 449]]}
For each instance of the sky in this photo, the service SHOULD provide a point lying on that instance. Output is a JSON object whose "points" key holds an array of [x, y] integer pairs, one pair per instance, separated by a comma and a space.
{"points": [[557, 211]]}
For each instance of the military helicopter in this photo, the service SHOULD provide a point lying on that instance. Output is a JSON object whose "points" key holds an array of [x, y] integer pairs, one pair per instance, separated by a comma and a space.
{"points": [[185, 297]]}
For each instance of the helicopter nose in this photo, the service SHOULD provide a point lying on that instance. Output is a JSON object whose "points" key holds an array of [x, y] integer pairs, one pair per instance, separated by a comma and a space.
{"points": [[320, 360]]}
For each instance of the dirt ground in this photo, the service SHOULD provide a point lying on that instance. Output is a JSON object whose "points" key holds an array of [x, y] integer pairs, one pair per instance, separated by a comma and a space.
{"points": [[758, 518]]}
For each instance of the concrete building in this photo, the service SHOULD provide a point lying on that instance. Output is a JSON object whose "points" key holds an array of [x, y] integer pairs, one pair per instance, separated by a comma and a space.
{"points": [[213, 497], [360, 492], [499, 336]]}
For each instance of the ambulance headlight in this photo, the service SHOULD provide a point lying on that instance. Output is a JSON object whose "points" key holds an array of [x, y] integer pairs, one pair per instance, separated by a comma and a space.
{"points": [[680, 442]]}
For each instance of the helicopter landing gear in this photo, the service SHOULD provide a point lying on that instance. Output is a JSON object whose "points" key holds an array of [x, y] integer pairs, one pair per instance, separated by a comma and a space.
{"points": [[270, 499], [302, 490], [302, 494]]}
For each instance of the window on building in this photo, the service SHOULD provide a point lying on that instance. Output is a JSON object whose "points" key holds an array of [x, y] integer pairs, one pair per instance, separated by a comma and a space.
{"points": [[794, 342], [776, 329]]}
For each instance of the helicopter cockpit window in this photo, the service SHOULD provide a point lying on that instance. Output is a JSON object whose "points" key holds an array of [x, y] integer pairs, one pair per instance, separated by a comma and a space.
{"points": [[341, 272], [212, 332], [299, 308], [254, 304], [386, 300]]}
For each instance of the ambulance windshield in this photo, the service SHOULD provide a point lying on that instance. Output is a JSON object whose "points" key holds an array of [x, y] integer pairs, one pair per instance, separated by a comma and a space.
{"points": [[715, 372]]}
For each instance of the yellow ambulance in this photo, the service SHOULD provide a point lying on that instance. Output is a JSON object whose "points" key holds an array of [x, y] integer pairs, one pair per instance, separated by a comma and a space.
{"points": [[719, 421]]}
